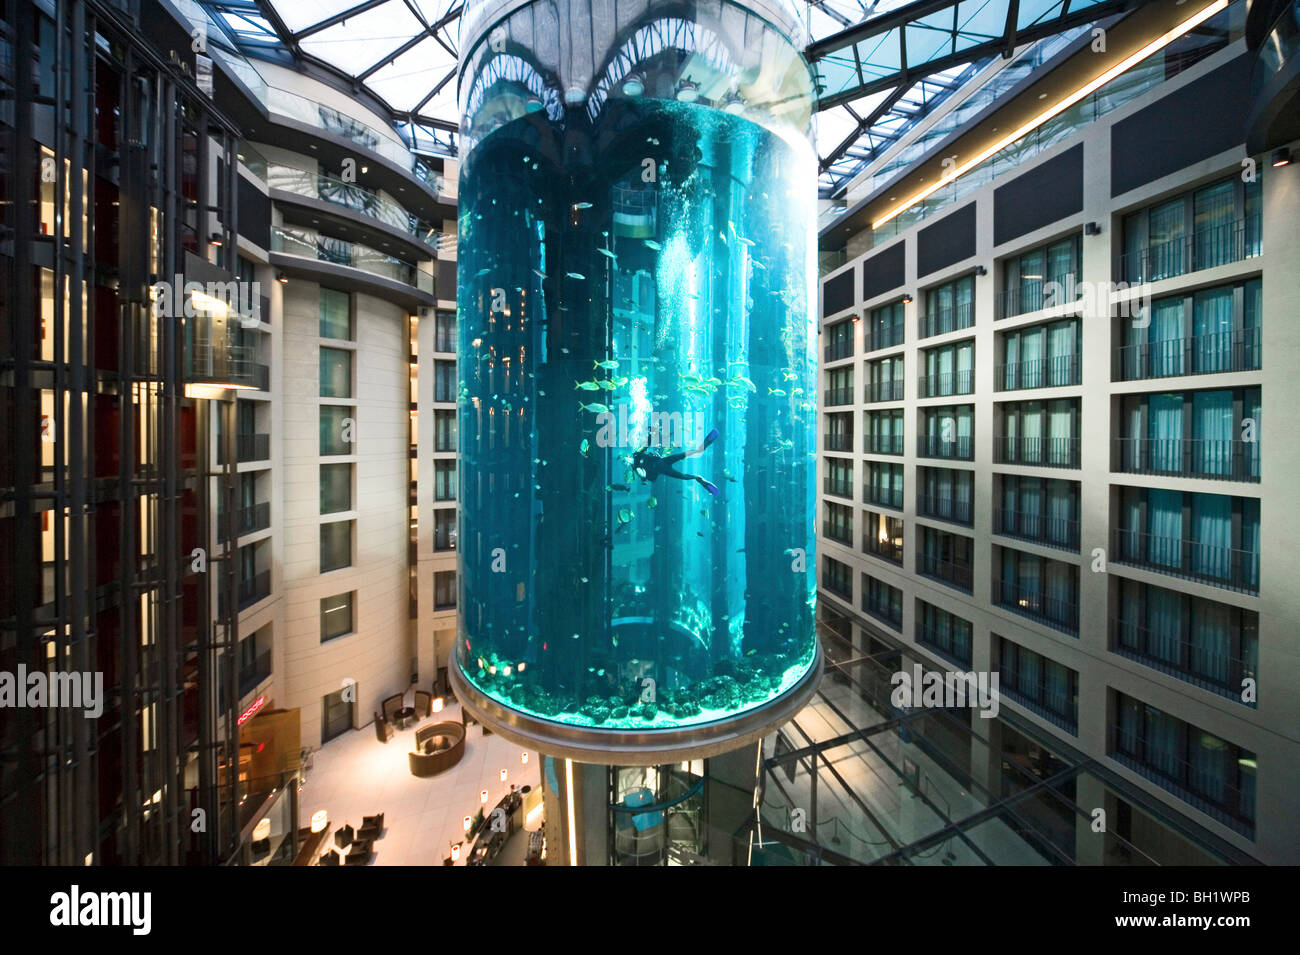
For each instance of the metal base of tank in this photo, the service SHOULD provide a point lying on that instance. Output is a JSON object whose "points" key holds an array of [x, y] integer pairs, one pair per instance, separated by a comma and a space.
{"points": [[623, 747]]}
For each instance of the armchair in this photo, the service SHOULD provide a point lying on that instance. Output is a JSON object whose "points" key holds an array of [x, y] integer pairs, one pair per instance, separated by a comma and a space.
{"points": [[423, 703], [383, 731]]}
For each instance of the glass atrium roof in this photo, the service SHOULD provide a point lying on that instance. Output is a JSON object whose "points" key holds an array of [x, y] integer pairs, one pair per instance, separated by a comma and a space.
{"points": [[404, 53]]}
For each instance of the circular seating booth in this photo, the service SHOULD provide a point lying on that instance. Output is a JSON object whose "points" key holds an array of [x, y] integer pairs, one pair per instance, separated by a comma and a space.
{"points": [[438, 747]]}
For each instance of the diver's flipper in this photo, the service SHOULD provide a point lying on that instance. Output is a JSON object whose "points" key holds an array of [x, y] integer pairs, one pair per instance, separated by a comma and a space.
{"points": [[709, 439], [708, 486]]}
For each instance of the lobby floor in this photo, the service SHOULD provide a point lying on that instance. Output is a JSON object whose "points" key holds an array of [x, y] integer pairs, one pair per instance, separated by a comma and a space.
{"points": [[355, 775]]}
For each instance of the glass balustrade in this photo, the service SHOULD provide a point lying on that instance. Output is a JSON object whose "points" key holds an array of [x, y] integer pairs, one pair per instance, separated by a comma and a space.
{"points": [[310, 244], [352, 196]]}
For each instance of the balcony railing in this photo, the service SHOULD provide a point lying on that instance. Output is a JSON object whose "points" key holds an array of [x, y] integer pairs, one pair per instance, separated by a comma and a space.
{"points": [[957, 448], [943, 384], [836, 351], [883, 496], [311, 245], [890, 549], [251, 676], [1202, 249], [889, 336], [1234, 808], [1223, 459], [1199, 665], [1206, 354], [842, 590], [944, 508], [1037, 452], [833, 442], [946, 643], [349, 195], [1031, 602], [248, 520], [1054, 372], [248, 447], [884, 444], [1054, 707], [838, 396], [838, 532], [954, 573], [943, 320], [1059, 290], [222, 363], [838, 488], [885, 390], [249, 591], [1228, 567], [1037, 527]]}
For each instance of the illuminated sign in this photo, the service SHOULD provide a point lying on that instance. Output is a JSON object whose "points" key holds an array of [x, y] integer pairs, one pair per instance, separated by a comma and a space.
{"points": [[253, 707]]}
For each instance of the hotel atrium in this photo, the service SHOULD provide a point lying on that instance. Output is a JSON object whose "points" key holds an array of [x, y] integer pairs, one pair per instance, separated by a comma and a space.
{"points": [[649, 433]]}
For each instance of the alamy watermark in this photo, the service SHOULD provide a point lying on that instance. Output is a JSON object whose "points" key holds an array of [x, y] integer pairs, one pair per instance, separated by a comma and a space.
{"points": [[918, 689], [131, 910], [39, 690], [189, 299], [1095, 299], [658, 429]]}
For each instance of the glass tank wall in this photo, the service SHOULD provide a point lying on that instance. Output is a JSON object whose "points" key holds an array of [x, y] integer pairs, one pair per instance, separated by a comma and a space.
{"points": [[637, 396]]}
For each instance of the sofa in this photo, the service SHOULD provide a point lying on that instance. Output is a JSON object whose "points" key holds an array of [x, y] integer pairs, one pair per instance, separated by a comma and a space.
{"points": [[438, 747]]}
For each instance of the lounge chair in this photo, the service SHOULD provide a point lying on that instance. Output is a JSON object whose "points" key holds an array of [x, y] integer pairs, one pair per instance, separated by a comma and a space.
{"points": [[383, 731], [391, 706], [423, 703], [343, 836]]}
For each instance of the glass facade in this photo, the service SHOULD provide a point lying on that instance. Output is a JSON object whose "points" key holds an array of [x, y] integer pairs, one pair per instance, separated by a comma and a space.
{"points": [[335, 431], [335, 545], [335, 373], [335, 314], [337, 616], [335, 488]]}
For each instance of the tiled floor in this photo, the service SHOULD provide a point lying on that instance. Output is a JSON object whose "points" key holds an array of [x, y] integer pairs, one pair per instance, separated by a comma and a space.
{"points": [[355, 775]]}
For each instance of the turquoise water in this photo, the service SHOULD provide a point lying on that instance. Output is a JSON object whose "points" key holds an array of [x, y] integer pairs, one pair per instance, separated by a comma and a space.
{"points": [[636, 417]]}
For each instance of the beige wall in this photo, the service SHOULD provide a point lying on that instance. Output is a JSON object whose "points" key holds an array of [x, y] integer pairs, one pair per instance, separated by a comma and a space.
{"points": [[377, 655]]}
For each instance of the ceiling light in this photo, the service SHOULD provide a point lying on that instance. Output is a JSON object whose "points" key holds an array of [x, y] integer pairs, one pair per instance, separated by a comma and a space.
{"points": [[282, 278], [1281, 157], [688, 91], [633, 87], [1059, 106]]}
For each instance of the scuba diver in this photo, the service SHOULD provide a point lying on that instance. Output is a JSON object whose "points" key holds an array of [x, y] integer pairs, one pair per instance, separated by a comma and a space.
{"points": [[650, 465]]}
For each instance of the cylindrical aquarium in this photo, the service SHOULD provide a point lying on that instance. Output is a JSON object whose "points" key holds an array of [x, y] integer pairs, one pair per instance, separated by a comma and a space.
{"points": [[637, 401]]}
